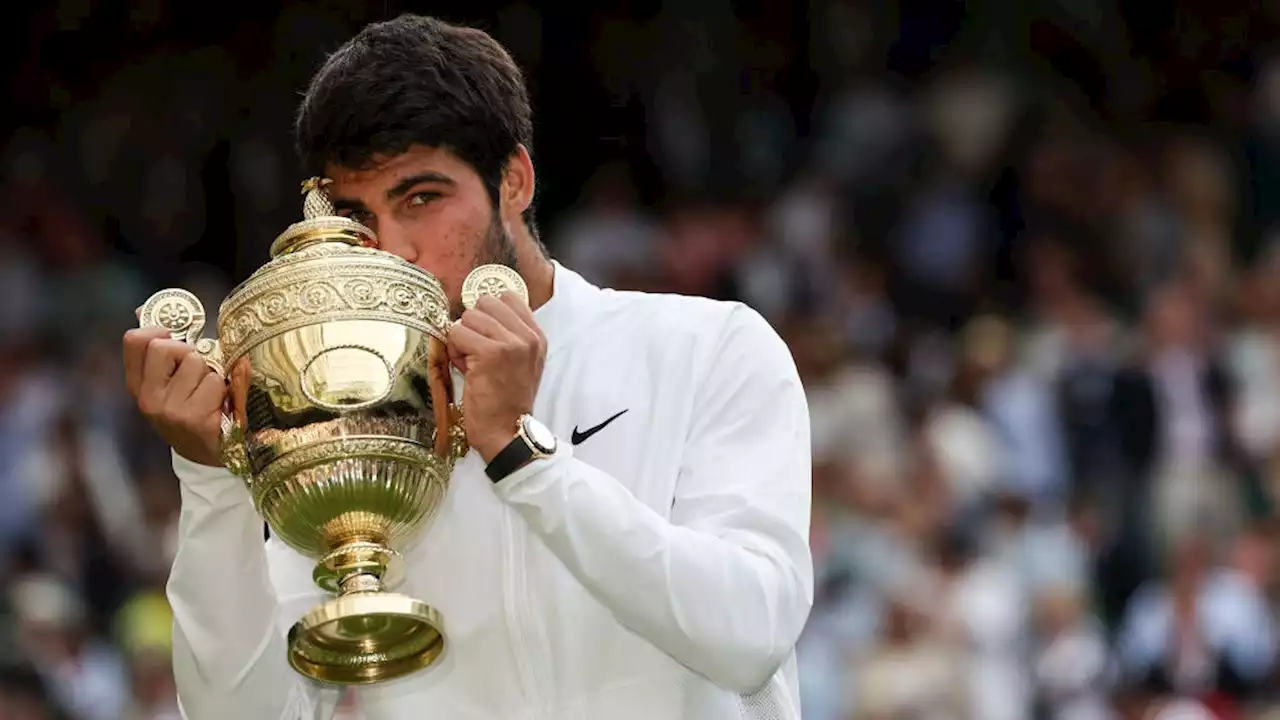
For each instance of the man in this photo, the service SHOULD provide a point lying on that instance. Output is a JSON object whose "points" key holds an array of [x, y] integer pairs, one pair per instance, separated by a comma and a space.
{"points": [[654, 566]]}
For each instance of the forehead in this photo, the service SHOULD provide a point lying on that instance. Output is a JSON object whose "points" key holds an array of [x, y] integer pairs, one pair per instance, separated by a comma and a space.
{"points": [[387, 171]]}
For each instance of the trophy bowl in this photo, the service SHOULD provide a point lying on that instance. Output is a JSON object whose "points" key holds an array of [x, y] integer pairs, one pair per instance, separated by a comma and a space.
{"points": [[341, 420]]}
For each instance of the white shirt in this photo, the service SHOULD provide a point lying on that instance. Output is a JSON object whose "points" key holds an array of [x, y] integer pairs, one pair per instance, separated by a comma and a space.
{"points": [[1187, 423], [658, 571]]}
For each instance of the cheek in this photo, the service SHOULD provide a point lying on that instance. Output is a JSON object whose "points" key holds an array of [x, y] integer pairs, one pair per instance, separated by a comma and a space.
{"points": [[447, 241]]}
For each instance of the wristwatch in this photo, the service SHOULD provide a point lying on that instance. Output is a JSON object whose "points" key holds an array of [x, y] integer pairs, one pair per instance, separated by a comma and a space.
{"points": [[533, 440]]}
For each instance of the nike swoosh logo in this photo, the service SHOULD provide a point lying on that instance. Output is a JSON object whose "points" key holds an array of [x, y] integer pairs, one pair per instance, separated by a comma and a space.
{"points": [[577, 438]]}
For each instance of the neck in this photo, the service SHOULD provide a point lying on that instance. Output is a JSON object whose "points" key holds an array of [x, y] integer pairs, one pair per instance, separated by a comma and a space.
{"points": [[535, 268]]}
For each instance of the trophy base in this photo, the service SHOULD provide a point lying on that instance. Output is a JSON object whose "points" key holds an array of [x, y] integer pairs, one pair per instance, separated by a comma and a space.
{"points": [[366, 638]]}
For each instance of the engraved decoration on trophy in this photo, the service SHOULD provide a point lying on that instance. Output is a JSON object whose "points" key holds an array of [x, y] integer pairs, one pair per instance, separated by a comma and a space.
{"points": [[341, 419]]}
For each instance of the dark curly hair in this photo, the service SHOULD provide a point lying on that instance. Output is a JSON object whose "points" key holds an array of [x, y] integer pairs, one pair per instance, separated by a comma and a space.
{"points": [[417, 80]]}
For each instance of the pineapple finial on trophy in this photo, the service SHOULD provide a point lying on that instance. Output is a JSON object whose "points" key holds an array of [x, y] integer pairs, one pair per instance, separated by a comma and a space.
{"points": [[320, 223], [317, 203]]}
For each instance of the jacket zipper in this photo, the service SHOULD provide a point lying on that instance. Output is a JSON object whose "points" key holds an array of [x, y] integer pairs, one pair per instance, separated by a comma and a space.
{"points": [[515, 594], [532, 622]]}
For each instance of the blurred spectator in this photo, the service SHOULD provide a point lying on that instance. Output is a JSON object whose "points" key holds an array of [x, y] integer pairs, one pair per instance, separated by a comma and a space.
{"points": [[911, 674], [25, 696], [85, 674], [1073, 668], [607, 238], [1205, 633], [984, 613], [971, 455], [1021, 408], [1179, 437]]}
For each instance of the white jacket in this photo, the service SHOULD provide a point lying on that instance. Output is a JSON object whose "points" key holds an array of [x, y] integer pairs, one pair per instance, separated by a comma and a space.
{"points": [[660, 570]]}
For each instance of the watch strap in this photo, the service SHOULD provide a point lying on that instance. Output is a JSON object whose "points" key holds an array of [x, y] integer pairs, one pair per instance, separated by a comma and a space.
{"points": [[510, 458]]}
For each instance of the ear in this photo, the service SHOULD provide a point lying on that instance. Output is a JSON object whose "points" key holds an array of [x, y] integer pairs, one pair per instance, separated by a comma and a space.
{"points": [[518, 182]]}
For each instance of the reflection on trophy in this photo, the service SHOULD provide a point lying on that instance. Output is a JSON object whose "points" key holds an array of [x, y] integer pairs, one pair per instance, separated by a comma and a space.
{"points": [[341, 419]]}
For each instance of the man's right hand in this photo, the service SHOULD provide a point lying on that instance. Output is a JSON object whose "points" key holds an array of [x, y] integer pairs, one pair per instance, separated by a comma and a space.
{"points": [[177, 391]]}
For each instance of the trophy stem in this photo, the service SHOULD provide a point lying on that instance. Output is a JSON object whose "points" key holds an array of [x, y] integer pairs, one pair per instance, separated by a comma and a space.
{"points": [[359, 566], [361, 583]]}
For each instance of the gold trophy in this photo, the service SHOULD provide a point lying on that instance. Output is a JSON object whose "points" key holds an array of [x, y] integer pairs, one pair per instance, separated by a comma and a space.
{"points": [[341, 419]]}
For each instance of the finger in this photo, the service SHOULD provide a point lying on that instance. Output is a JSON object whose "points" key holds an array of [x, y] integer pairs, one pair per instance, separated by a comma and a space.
{"points": [[466, 342], [191, 371], [209, 395], [135, 353], [503, 313], [161, 361], [522, 311], [519, 307], [457, 359], [512, 311], [480, 321]]}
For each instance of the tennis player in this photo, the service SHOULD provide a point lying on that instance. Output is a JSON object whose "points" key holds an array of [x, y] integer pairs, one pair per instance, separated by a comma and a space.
{"points": [[639, 552]]}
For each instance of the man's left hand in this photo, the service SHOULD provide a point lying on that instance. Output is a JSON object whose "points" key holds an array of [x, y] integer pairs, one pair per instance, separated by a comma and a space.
{"points": [[500, 350]]}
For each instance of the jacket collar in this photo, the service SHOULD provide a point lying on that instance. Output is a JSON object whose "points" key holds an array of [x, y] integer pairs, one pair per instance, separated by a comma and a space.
{"points": [[570, 295]]}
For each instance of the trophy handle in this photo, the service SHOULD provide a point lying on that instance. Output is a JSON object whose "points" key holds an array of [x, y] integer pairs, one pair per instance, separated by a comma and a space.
{"points": [[181, 313], [458, 444], [491, 279]]}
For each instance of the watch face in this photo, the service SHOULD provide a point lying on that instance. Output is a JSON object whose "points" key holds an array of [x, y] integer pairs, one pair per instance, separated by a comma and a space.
{"points": [[540, 435]]}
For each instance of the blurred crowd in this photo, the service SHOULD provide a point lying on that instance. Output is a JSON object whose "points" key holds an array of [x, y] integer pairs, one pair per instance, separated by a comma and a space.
{"points": [[1038, 323]]}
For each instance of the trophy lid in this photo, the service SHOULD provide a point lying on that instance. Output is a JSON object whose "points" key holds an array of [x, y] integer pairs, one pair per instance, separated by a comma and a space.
{"points": [[320, 223], [327, 268]]}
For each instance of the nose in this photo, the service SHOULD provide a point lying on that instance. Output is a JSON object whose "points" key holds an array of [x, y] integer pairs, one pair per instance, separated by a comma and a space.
{"points": [[394, 240]]}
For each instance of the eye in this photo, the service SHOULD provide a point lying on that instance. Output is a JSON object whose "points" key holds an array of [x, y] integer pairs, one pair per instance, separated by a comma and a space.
{"points": [[421, 198]]}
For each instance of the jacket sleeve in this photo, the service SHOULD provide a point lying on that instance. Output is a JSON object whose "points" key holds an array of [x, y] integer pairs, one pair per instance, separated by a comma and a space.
{"points": [[233, 599], [723, 585]]}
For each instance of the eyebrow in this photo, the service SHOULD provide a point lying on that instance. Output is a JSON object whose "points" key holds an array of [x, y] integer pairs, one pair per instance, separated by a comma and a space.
{"points": [[347, 204], [398, 190], [408, 183]]}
